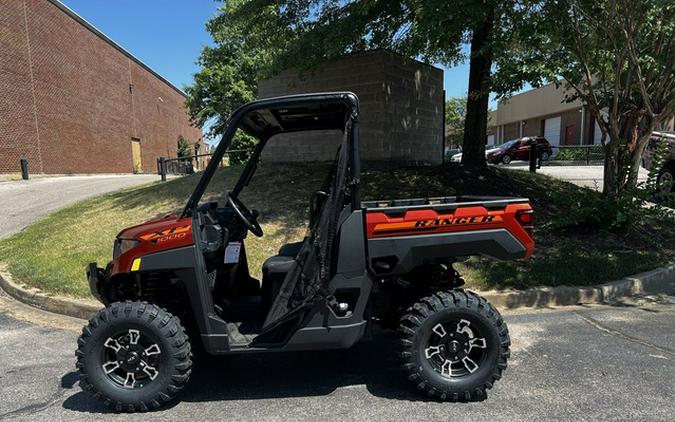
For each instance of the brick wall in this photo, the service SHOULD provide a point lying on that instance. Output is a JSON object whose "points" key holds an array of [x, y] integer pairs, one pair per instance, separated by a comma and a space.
{"points": [[401, 105], [67, 104]]}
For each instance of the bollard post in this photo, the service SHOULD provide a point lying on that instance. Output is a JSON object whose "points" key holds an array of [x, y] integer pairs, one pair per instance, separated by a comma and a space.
{"points": [[534, 153], [162, 168], [24, 168], [588, 156]]}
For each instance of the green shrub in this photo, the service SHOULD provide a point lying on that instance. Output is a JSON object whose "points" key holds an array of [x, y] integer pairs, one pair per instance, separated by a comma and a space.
{"points": [[579, 154], [183, 147], [241, 142]]}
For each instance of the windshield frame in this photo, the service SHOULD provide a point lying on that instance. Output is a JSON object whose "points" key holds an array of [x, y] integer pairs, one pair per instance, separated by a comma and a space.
{"points": [[239, 120]]}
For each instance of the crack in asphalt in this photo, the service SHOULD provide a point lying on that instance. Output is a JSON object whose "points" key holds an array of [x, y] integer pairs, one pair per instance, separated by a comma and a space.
{"points": [[37, 407], [597, 324]]}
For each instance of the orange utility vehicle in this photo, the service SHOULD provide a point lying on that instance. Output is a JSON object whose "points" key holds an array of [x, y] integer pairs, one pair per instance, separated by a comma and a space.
{"points": [[183, 281]]}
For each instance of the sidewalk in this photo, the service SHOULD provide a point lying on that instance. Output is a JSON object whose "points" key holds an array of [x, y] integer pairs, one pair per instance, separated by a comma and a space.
{"points": [[23, 202]]}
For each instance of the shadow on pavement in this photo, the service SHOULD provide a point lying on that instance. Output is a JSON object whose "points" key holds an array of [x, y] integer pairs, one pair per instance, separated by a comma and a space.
{"points": [[293, 374]]}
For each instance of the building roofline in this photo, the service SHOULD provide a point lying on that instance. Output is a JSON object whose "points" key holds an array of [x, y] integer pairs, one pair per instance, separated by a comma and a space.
{"points": [[506, 100], [395, 53], [70, 12]]}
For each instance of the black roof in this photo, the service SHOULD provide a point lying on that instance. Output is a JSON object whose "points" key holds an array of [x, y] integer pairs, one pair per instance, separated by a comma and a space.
{"points": [[293, 113]]}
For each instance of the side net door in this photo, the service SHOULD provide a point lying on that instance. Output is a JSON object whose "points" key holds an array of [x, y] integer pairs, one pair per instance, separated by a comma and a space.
{"points": [[306, 284]]}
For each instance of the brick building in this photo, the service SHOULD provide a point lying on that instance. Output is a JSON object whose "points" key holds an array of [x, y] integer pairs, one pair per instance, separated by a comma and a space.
{"points": [[401, 104], [74, 101], [544, 111]]}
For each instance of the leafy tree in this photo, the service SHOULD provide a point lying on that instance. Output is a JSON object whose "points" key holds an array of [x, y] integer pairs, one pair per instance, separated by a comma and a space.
{"points": [[614, 55], [268, 35], [243, 53], [455, 114]]}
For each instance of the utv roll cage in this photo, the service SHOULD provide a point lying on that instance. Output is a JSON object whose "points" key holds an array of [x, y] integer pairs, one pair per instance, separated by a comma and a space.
{"points": [[268, 117]]}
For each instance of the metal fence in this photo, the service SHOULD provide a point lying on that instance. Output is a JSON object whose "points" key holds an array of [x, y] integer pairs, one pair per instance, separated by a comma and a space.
{"points": [[579, 154], [197, 162], [567, 155]]}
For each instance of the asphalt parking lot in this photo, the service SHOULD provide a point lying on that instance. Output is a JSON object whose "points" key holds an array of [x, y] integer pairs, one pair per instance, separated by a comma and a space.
{"points": [[593, 363]]}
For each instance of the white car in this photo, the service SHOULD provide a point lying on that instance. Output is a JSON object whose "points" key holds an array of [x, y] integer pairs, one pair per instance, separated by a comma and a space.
{"points": [[457, 158]]}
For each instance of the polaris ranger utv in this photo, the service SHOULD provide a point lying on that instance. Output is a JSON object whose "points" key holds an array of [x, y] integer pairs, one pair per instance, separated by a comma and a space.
{"points": [[182, 281]]}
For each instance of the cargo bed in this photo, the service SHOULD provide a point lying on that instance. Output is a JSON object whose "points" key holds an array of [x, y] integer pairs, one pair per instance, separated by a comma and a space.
{"points": [[402, 233]]}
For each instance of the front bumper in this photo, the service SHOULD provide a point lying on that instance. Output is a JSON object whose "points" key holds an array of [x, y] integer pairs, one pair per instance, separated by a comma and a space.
{"points": [[96, 278]]}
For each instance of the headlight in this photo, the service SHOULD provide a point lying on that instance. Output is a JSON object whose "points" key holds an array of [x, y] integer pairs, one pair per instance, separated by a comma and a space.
{"points": [[123, 245]]}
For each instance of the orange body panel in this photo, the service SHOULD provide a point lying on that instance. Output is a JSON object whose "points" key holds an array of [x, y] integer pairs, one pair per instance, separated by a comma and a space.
{"points": [[429, 221], [154, 236]]}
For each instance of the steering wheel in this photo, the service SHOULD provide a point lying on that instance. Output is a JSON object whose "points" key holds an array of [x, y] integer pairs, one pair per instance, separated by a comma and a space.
{"points": [[246, 216]]}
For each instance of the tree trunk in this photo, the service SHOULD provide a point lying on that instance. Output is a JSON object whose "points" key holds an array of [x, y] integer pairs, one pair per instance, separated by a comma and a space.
{"points": [[641, 132], [610, 178], [480, 64], [635, 161]]}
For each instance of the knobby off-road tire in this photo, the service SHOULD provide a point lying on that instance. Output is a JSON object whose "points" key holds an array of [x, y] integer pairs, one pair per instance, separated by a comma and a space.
{"points": [[666, 179], [133, 338], [455, 345]]}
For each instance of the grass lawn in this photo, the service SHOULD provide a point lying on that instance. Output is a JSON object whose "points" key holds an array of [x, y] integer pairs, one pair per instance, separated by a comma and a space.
{"points": [[52, 253]]}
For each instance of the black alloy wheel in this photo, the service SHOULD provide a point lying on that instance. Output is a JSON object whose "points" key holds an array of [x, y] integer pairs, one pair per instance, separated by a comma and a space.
{"points": [[666, 179], [131, 359], [455, 345], [134, 356], [455, 348]]}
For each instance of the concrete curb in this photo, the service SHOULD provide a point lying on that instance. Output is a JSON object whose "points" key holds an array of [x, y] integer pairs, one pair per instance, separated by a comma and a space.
{"points": [[660, 280], [57, 304]]}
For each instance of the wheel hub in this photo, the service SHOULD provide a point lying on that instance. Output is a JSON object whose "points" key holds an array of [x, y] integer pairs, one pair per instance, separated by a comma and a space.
{"points": [[455, 348], [666, 182], [131, 359]]}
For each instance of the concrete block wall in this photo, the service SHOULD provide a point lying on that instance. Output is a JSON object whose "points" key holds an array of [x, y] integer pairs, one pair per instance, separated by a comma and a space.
{"points": [[401, 105]]}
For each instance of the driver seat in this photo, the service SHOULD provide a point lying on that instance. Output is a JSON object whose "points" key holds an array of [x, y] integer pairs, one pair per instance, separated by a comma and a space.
{"points": [[274, 271], [281, 263]]}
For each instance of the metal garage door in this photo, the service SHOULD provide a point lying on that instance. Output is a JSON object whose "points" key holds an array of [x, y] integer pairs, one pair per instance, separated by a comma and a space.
{"points": [[552, 130], [490, 140]]}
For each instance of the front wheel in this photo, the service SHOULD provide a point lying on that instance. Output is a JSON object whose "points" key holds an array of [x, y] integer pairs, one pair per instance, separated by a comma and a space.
{"points": [[455, 345], [133, 356], [506, 159]]}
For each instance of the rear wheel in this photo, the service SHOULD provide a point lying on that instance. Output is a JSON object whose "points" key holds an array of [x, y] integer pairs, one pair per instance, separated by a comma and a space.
{"points": [[455, 345], [544, 156], [133, 356], [666, 179]]}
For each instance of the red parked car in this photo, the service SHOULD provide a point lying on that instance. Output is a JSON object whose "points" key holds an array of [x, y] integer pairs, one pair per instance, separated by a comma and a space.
{"points": [[518, 149]]}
